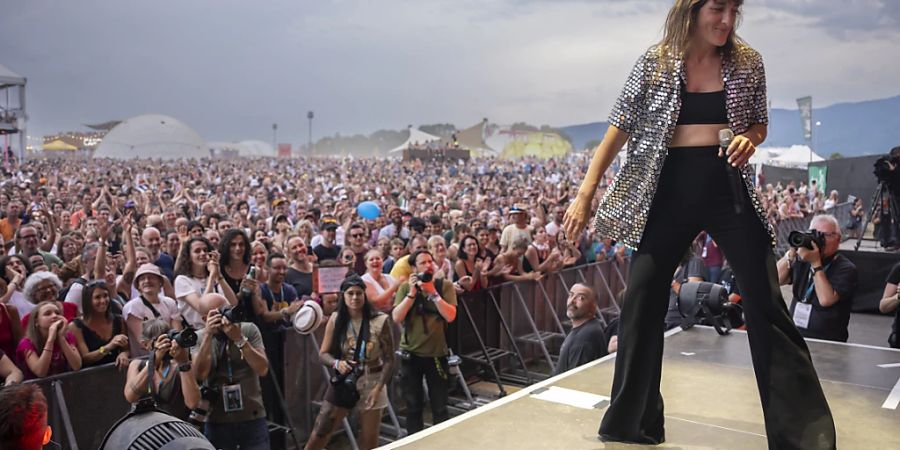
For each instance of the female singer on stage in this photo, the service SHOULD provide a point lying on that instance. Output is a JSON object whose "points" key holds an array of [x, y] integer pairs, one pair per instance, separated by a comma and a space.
{"points": [[701, 78]]}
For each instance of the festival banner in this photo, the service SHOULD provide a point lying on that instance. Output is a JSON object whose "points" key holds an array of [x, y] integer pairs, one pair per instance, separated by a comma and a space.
{"points": [[805, 105]]}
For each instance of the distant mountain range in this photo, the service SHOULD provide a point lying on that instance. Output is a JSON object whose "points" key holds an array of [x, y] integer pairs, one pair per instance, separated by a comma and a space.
{"points": [[851, 129]]}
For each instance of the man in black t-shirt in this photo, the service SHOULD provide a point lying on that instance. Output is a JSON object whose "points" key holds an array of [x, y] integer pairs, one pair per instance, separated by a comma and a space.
{"points": [[299, 274], [824, 283], [586, 342], [328, 249]]}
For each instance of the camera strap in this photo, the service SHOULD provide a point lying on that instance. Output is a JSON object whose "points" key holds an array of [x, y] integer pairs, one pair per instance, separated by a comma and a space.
{"points": [[361, 340], [149, 306]]}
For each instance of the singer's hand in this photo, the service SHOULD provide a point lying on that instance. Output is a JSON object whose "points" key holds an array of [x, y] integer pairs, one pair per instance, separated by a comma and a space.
{"points": [[740, 150]]}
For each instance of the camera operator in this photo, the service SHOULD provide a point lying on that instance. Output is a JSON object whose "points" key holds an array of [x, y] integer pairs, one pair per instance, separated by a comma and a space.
{"points": [[423, 307], [229, 359], [886, 172], [890, 301], [886, 169], [175, 388], [824, 281]]}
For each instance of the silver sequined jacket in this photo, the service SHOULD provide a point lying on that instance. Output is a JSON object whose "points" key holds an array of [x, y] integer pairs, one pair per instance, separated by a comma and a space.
{"points": [[647, 110]]}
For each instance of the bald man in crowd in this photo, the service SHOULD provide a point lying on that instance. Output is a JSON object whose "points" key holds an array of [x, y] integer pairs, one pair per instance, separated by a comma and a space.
{"points": [[587, 341]]}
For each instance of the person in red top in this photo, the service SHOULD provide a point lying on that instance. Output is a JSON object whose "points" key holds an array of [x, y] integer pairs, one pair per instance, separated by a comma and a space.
{"points": [[48, 348]]}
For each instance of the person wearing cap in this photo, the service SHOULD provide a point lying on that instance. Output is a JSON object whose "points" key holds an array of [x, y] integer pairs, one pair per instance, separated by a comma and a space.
{"points": [[395, 228], [280, 208], [516, 230], [328, 249], [373, 363], [150, 303]]}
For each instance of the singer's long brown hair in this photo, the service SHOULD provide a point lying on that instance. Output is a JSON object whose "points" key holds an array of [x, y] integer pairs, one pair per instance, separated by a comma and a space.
{"points": [[680, 26]]}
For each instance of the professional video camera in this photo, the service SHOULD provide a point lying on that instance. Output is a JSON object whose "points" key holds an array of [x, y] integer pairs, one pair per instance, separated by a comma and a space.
{"points": [[886, 165], [805, 239]]}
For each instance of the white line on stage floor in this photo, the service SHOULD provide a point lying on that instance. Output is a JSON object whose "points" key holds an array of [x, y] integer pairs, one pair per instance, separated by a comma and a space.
{"points": [[893, 399], [715, 426]]}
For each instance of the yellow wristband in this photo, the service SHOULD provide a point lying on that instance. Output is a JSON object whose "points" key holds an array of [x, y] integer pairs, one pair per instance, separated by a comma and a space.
{"points": [[102, 350]]}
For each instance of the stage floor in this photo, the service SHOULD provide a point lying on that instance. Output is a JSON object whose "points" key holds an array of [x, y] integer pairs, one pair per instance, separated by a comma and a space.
{"points": [[710, 394]]}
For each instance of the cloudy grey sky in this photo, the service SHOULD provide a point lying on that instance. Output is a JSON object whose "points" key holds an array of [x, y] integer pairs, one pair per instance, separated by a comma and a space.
{"points": [[231, 68]]}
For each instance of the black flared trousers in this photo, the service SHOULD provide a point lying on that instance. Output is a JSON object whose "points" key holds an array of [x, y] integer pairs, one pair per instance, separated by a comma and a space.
{"points": [[693, 194]]}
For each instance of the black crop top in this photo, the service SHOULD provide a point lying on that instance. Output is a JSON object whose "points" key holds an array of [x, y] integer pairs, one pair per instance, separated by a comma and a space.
{"points": [[702, 108]]}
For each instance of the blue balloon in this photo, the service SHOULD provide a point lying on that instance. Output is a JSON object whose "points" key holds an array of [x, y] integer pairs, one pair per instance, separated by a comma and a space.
{"points": [[368, 210]]}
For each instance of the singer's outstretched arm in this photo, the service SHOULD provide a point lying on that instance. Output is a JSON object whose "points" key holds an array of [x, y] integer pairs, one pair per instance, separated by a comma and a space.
{"points": [[578, 213]]}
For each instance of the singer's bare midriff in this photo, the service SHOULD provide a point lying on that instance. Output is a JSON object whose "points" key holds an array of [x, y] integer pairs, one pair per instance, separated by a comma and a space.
{"points": [[696, 135]]}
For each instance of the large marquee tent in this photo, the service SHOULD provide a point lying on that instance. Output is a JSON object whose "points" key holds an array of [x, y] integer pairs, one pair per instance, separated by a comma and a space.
{"points": [[152, 136]]}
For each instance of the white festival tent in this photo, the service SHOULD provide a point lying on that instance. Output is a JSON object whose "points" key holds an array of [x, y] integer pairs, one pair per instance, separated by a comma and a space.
{"points": [[152, 136], [798, 156], [416, 136]]}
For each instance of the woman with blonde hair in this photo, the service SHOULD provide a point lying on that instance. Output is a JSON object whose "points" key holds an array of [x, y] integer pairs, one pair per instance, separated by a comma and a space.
{"points": [[699, 80]]}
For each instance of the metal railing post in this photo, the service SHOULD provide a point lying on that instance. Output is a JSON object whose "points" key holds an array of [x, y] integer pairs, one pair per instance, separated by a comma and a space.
{"points": [[64, 413]]}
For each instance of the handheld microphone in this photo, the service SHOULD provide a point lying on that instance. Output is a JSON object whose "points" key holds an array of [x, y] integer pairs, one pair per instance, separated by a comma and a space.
{"points": [[734, 175]]}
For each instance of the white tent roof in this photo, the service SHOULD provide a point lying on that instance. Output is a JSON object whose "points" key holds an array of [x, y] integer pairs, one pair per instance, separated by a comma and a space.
{"points": [[793, 156], [152, 136], [256, 148], [8, 77], [416, 135]]}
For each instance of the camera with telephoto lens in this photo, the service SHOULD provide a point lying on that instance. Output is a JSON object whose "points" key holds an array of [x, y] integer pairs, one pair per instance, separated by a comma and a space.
{"points": [[185, 338], [797, 239], [234, 314], [349, 379]]}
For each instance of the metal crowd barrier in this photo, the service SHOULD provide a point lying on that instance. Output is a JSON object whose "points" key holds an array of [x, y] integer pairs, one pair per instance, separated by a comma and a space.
{"points": [[509, 333]]}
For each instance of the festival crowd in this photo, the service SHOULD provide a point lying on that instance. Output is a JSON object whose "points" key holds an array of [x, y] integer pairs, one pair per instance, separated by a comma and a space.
{"points": [[108, 260]]}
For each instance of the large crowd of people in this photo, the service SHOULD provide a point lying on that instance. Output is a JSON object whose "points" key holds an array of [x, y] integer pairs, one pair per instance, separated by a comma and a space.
{"points": [[109, 260]]}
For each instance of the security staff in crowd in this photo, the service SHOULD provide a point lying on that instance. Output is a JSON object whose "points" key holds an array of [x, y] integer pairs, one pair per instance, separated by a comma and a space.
{"points": [[587, 340], [423, 307], [823, 283]]}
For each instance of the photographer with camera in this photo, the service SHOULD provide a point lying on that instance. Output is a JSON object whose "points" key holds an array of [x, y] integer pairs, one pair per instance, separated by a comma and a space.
{"points": [[229, 359], [823, 281], [423, 307], [174, 388], [359, 372]]}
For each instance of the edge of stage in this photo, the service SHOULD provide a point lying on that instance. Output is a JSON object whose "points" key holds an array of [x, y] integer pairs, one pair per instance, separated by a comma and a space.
{"points": [[711, 400]]}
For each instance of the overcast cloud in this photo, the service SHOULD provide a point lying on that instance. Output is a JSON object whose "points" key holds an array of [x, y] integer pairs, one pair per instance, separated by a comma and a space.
{"points": [[230, 69]]}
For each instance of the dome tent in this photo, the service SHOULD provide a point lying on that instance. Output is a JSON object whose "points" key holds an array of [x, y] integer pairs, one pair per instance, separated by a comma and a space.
{"points": [[152, 136], [254, 148]]}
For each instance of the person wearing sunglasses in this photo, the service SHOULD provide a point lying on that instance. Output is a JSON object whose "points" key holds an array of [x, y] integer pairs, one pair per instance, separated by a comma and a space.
{"points": [[357, 243], [824, 283]]}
